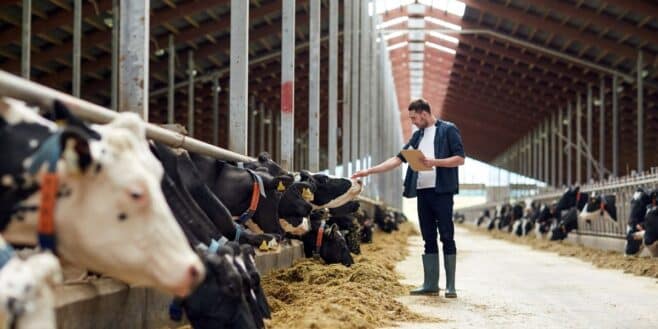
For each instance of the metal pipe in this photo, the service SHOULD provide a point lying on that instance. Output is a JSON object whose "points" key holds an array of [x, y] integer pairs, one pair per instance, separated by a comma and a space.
{"points": [[191, 72], [347, 85], [332, 139], [579, 134], [615, 127], [287, 141], [356, 50], [261, 130], [588, 178], [134, 59], [364, 81], [640, 114], [251, 121], [172, 80], [560, 150], [554, 149], [77, 39], [314, 87], [26, 38], [547, 163], [602, 129], [270, 128], [238, 87], [115, 56], [569, 146], [33, 93], [215, 111]]}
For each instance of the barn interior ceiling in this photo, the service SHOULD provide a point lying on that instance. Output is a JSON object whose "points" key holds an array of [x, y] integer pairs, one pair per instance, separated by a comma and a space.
{"points": [[497, 68]]}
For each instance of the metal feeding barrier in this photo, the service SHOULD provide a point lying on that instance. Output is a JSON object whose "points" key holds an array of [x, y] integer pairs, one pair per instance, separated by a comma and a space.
{"points": [[622, 188]]}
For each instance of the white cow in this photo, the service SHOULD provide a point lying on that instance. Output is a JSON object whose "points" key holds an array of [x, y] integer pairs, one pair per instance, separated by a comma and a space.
{"points": [[26, 292], [112, 216]]}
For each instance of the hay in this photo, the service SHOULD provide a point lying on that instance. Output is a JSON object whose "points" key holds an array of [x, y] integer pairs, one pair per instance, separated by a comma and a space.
{"points": [[313, 295], [642, 266]]}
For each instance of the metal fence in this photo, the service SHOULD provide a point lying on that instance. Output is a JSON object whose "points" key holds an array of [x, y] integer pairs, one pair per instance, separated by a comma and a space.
{"points": [[622, 188]]}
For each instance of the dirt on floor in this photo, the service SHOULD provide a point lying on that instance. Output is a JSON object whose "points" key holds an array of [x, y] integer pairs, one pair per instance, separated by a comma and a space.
{"points": [[314, 295], [643, 266]]}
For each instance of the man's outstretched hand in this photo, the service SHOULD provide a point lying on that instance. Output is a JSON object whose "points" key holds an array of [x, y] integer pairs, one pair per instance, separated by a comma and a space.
{"points": [[360, 173]]}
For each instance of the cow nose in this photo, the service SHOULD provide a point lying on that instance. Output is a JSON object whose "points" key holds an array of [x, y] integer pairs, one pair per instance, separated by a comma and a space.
{"points": [[358, 181], [195, 274]]}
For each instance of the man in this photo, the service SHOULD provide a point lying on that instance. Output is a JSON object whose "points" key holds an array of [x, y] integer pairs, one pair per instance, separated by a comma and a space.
{"points": [[441, 144]]}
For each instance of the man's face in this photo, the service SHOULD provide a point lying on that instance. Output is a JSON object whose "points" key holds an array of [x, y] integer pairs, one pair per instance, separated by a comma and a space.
{"points": [[419, 119]]}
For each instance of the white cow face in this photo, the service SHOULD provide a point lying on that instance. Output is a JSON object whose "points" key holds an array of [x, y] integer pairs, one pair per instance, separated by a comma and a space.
{"points": [[113, 217], [26, 290]]}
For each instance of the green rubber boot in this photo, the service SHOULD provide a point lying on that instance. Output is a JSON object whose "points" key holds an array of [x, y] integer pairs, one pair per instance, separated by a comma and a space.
{"points": [[431, 282], [450, 262]]}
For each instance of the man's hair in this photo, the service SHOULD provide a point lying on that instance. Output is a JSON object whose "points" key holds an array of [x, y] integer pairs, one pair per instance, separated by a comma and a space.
{"points": [[420, 105]]}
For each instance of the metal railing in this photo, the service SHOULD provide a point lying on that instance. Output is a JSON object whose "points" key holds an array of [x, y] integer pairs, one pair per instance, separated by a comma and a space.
{"points": [[622, 188]]}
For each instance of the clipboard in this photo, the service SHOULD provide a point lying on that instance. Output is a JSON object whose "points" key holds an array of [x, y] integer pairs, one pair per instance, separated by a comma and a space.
{"points": [[414, 158]]}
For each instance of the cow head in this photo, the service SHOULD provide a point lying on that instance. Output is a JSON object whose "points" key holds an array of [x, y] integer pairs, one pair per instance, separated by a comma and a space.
{"points": [[651, 230], [295, 207], [572, 197], [111, 216], [265, 161], [26, 290], [218, 302], [334, 247], [599, 206], [567, 223], [331, 192]]}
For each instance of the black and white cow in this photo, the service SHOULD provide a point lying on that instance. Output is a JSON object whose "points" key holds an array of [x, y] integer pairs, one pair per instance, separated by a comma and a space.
{"points": [[637, 237], [344, 217], [571, 203], [546, 220], [110, 215], [599, 207], [485, 217], [651, 230], [331, 192], [326, 241]]}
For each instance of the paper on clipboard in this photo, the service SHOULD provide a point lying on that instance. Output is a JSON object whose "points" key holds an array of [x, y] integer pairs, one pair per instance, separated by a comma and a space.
{"points": [[415, 159]]}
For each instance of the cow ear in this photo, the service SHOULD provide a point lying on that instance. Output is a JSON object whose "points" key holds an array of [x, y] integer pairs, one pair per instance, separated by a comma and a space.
{"points": [[75, 150], [263, 157], [305, 175], [61, 115], [131, 122]]}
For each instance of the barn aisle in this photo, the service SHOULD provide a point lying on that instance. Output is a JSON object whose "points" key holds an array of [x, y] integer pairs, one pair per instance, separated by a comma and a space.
{"points": [[506, 285]]}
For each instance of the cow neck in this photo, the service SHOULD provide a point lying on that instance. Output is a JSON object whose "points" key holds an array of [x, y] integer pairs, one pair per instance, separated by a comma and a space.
{"points": [[48, 153], [6, 253], [256, 191], [318, 238]]}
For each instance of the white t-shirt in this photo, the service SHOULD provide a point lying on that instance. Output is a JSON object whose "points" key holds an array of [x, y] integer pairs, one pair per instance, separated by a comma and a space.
{"points": [[427, 179]]}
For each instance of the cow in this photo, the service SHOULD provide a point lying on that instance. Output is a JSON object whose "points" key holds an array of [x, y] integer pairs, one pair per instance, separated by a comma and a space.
{"points": [[219, 302], [640, 203], [26, 289], [571, 202], [251, 196], [331, 192], [326, 241], [651, 230], [384, 220], [366, 223], [525, 224], [344, 218], [485, 217], [599, 206], [210, 219], [546, 220], [458, 217], [109, 216], [295, 208]]}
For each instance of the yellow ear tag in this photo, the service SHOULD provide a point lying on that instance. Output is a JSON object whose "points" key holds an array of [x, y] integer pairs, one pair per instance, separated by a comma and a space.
{"points": [[263, 246], [307, 194], [280, 187]]}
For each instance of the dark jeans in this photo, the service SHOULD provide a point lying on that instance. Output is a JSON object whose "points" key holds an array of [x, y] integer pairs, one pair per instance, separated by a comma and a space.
{"points": [[435, 212]]}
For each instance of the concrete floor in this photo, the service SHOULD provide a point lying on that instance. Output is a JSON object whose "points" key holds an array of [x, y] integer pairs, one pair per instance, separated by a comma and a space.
{"points": [[505, 285]]}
